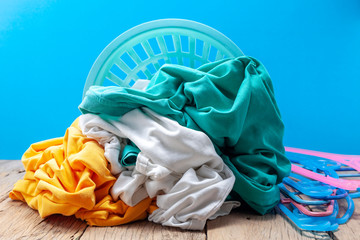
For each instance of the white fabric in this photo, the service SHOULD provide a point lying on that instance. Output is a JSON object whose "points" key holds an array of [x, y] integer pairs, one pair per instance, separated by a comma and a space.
{"points": [[177, 164], [113, 145], [141, 84]]}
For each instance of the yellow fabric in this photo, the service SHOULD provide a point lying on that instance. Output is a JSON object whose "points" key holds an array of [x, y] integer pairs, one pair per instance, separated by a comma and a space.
{"points": [[108, 213], [69, 176]]}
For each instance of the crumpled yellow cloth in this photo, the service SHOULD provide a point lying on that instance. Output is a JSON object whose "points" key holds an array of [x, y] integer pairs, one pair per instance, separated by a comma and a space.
{"points": [[69, 176]]}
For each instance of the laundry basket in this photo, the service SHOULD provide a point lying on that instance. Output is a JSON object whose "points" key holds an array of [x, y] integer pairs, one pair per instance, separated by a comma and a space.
{"points": [[139, 52]]}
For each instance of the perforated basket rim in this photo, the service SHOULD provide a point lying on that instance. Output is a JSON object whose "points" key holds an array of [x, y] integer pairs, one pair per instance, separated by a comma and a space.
{"points": [[156, 24]]}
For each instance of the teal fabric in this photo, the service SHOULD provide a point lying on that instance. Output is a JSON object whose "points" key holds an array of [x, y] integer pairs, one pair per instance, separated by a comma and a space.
{"points": [[129, 155], [232, 101]]}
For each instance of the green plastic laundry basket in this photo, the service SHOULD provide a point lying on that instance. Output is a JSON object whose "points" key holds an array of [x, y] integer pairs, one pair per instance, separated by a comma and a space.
{"points": [[139, 52]]}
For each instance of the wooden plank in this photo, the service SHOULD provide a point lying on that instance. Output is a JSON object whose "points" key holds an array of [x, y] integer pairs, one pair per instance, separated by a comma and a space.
{"points": [[18, 221], [350, 230], [10, 172], [242, 224], [141, 230], [8, 165]]}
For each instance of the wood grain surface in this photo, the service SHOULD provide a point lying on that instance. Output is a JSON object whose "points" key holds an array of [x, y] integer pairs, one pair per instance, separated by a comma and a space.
{"points": [[18, 221]]}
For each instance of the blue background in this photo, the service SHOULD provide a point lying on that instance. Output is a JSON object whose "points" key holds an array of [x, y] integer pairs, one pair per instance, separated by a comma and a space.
{"points": [[310, 48]]}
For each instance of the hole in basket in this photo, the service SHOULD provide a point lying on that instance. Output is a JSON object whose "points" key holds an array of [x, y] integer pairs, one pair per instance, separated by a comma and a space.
{"points": [[186, 62], [131, 83], [161, 62], [118, 72], [169, 43], [197, 64], [128, 60], [174, 60], [184, 43], [212, 54], [107, 83], [199, 44], [154, 46], [151, 68], [141, 75], [140, 52]]}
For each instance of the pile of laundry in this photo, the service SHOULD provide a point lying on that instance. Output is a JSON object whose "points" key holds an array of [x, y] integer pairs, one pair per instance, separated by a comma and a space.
{"points": [[186, 146]]}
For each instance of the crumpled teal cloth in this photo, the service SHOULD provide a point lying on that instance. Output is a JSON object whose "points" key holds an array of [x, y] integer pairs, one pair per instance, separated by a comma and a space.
{"points": [[129, 155], [232, 101]]}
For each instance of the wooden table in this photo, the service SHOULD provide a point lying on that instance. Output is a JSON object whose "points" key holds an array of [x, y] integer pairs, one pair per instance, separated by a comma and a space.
{"points": [[18, 221]]}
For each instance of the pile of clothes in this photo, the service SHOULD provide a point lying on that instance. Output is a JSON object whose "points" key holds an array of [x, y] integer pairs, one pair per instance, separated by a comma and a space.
{"points": [[186, 146]]}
